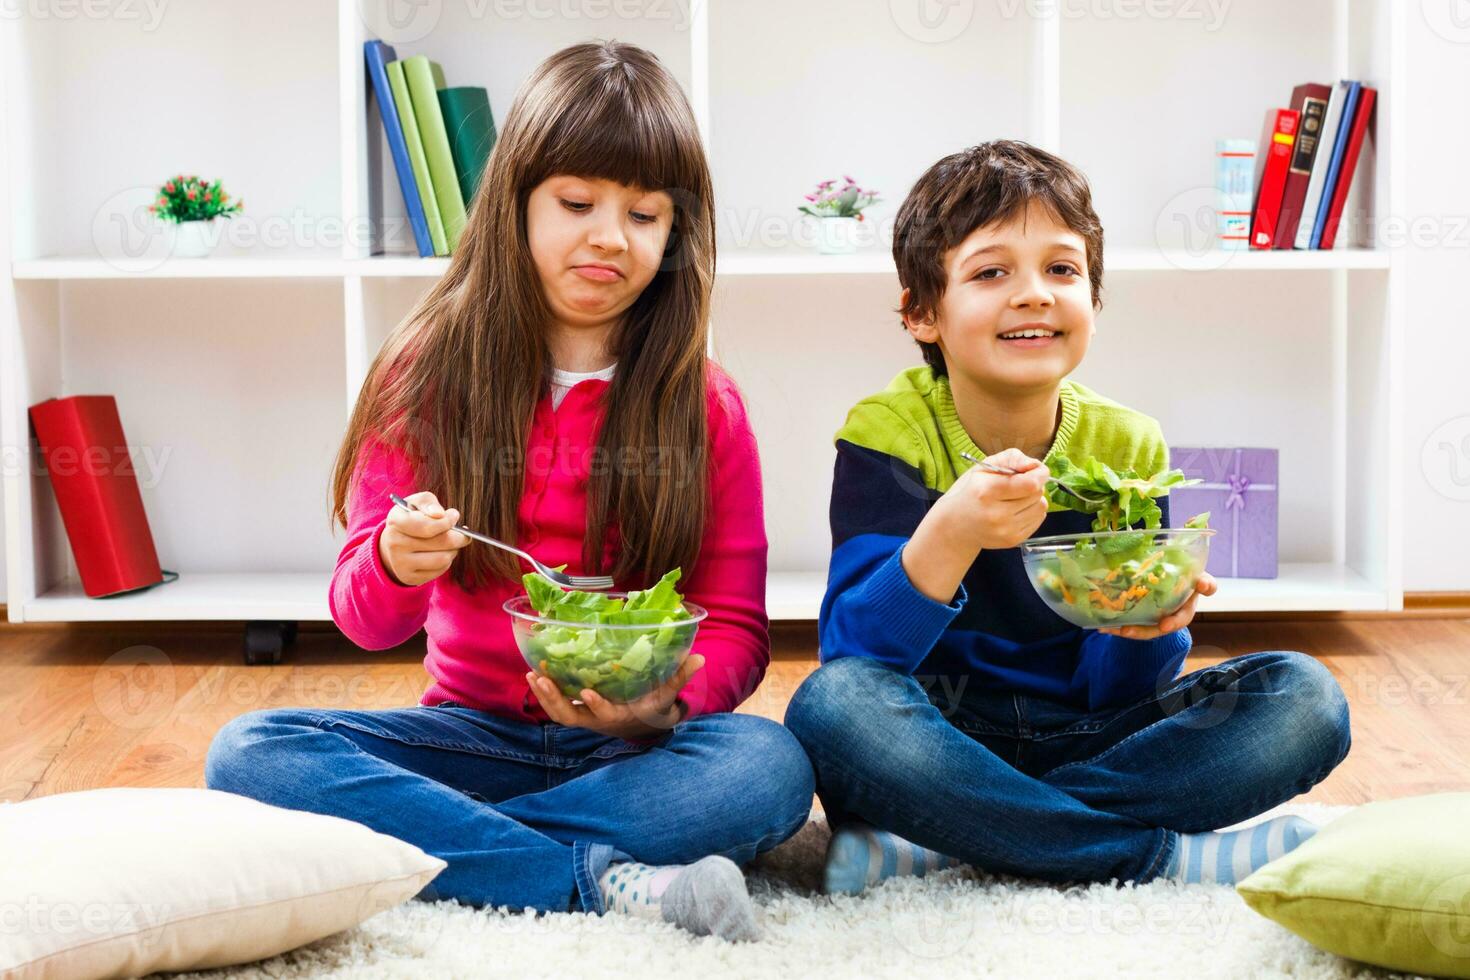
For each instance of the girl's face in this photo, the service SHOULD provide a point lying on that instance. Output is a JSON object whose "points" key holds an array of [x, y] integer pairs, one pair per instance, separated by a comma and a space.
{"points": [[1028, 273], [596, 245]]}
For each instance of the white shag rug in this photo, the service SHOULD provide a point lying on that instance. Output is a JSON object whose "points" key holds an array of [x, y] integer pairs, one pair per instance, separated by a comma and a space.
{"points": [[955, 923]]}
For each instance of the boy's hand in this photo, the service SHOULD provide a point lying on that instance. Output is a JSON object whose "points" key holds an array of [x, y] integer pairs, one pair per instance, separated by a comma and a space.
{"points": [[653, 714], [1176, 620], [991, 510]]}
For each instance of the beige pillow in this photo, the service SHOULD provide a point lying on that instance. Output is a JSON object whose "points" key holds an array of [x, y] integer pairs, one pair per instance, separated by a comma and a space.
{"points": [[125, 881]]}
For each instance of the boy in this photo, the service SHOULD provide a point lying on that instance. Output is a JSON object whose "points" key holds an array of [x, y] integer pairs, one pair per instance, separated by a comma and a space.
{"points": [[955, 717]]}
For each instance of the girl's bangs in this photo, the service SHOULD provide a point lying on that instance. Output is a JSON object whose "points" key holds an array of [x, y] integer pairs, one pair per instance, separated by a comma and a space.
{"points": [[606, 139]]}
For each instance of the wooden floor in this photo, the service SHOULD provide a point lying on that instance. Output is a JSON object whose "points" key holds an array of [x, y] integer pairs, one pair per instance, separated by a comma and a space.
{"points": [[85, 706]]}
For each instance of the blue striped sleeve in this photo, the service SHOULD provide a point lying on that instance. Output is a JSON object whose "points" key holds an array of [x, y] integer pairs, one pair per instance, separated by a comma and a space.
{"points": [[871, 609]]}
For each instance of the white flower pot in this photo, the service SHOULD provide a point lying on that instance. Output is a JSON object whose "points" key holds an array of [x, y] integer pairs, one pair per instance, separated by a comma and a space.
{"points": [[195, 239], [837, 236]]}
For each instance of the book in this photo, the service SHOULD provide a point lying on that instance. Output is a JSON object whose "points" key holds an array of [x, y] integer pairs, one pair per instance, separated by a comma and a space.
{"points": [[1309, 99], [1339, 149], [1277, 140], [378, 55], [471, 128], [1235, 161], [425, 79], [1362, 120], [401, 101], [86, 456], [1313, 199]]}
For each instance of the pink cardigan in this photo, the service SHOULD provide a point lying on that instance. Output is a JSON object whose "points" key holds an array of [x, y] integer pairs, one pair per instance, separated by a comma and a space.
{"points": [[472, 655]]}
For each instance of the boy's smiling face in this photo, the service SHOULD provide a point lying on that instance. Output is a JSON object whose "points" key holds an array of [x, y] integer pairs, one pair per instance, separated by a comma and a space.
{"points": [[1027, 274]]}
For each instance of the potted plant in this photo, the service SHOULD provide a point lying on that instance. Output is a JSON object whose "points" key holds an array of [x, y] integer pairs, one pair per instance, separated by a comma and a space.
{"points": [[191, 205], [839, 213]]}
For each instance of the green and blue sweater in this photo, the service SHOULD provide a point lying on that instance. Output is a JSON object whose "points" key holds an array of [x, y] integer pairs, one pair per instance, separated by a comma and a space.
{"points": [[898, 452]]}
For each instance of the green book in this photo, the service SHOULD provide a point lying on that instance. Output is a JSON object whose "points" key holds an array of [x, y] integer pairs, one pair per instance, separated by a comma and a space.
{"points": [[425, 79], [404, 105], [471, 133]]}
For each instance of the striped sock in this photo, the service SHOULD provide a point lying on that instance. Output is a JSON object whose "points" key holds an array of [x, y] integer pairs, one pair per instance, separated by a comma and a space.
{"points": [[860, 855], [706, 898], [1228, 857]]}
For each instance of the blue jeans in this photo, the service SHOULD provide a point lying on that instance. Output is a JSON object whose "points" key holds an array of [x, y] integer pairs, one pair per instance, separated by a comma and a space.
{"points": [[1024, 786], [525, 815]]}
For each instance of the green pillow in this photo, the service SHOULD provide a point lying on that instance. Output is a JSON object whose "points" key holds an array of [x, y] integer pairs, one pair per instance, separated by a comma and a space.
{"points": [[1388, 884]]}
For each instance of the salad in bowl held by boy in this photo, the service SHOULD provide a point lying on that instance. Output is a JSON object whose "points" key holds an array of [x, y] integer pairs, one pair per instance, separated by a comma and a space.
{"points": [[980, 699]]}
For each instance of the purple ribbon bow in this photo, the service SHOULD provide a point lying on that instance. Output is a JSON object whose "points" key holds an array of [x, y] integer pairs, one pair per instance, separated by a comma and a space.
{"points": [[1238, 486]]}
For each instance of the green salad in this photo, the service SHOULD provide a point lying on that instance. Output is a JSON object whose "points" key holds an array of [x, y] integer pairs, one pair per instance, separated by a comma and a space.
{"points": [[619, 663], [1118, 578]]}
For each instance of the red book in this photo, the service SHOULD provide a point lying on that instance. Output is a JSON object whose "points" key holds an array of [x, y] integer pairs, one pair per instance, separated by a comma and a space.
{"points": [[1311, 101], [1277, 141], [96, 488], [1361, 120]]}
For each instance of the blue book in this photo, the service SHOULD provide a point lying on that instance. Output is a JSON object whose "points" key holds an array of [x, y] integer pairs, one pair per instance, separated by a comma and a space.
{"points": [[378, 55], [1339, 148]]}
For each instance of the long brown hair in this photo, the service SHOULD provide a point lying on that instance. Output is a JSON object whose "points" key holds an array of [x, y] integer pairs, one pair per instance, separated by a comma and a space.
{"points": [[455, 386]]}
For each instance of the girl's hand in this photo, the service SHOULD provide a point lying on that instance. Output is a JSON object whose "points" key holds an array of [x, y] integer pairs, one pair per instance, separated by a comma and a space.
{"points": [[419, 546], [653, 714], [1176, 620]]}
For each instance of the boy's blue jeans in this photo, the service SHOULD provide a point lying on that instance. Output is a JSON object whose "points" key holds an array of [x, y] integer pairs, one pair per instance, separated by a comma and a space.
{"points": [[526, 815], [1023, 786]]}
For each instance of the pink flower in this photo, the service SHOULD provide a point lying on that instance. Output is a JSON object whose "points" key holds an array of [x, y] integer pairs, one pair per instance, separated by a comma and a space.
{"points": [[169, 187], [811, 197], [193, 194], [848, 179]]}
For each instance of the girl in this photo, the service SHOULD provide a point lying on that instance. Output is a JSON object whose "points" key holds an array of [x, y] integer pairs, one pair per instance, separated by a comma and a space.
{"points": [[554, 388]]}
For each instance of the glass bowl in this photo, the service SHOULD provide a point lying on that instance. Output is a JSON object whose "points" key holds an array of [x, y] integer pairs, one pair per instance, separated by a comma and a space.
{"points": [[1116, 578], [620, 662]]}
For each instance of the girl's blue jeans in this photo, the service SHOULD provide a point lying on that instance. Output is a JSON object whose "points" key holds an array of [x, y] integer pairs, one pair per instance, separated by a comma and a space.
{"points": [[1024, 786], [525, 815]]}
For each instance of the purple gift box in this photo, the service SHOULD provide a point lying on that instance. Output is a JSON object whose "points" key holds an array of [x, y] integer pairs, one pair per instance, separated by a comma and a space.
{"points": [[1238, 488]]}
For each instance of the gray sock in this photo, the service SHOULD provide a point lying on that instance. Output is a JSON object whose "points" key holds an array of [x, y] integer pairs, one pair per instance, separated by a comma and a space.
{"points": [[709, 899]]}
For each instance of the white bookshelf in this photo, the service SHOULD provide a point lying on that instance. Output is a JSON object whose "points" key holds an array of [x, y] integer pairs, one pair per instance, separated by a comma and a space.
{"points": [[237, 371]]}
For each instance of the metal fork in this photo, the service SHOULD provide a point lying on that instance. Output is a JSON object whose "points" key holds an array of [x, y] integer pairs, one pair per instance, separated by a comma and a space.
{"points": [[588, 583], [990, 467]]}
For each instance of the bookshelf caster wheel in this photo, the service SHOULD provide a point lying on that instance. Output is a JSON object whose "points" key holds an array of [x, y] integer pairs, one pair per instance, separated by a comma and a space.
{"points": [[264, 640]]}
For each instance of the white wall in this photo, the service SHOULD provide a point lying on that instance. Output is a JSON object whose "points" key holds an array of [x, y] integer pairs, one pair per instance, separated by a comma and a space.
{"points": [[1437, 303], [1434, 227]]}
